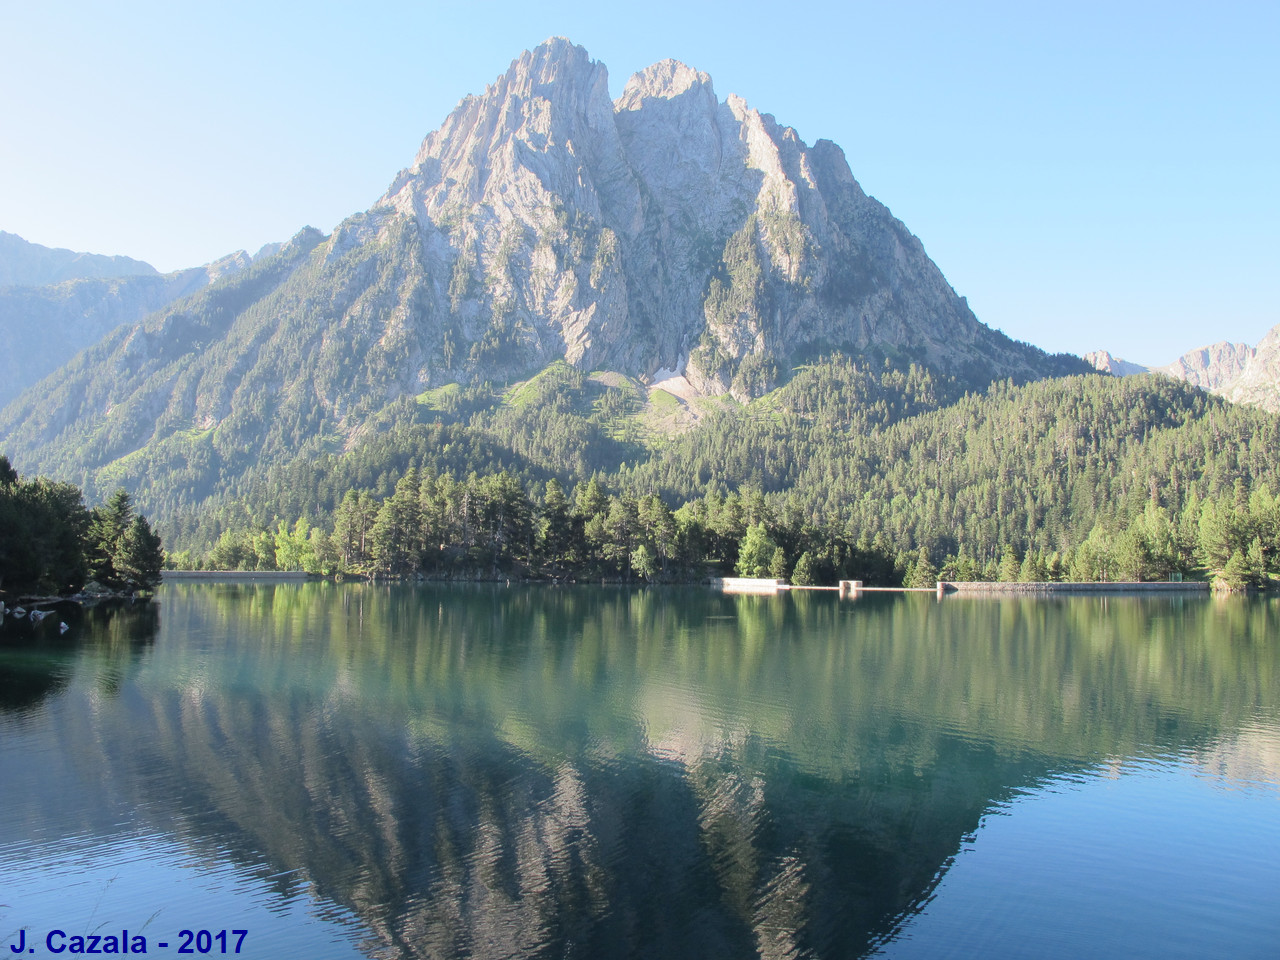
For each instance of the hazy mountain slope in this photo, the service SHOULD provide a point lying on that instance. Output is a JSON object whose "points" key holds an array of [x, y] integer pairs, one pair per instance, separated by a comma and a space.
{"points": [[44, 327], [31, 264], [138, 404]]}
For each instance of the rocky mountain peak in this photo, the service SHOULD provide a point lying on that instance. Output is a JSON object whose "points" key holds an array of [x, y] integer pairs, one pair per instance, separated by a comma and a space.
{"points": [[541, 94], [1213, 367], [1259, 380], [1104, 362], [666, 230], [664, 80], [1237, 371]]}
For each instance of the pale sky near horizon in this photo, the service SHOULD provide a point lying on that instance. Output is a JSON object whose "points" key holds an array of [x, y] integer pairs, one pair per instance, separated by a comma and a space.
{"points": [[1088, 175]]}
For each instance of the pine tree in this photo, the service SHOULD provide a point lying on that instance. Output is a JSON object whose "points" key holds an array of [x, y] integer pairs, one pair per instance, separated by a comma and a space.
{"points": [[922, 571], [107, 525], [802, 575], [778, 564], [1010, 568], [555, 532], [1236, 572], [138, 557], [1255, 565]]}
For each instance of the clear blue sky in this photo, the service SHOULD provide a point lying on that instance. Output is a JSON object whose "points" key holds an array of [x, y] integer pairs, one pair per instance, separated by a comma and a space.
{"points": [[1089, 175]]}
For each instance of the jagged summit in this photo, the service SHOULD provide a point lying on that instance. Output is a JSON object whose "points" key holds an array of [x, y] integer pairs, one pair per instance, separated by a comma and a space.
{"points": [[1237, 371], [665, 230], [664, 80]]}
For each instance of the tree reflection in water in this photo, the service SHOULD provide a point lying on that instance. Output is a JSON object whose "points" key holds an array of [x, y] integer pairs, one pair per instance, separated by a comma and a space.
{"points": [[516, 771]]}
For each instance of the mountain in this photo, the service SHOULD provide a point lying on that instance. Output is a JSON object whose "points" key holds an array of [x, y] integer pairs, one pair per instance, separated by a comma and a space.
{"points": [[1258, 382], [33, 265], [1104, 362], [666, 231], [1211, 368], [45, 326], [1237, 371], [665, 234]]}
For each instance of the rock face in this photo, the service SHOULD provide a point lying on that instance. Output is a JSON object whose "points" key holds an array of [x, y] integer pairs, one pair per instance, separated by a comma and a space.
{"points": [[1104, 362], [1237, 371], [45, 326], [666, 231], [1258, 382], [1211, 368], [32, 265]]}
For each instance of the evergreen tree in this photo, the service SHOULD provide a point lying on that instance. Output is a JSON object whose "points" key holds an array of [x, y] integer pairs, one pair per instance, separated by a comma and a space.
{"points": [[138, 557], [1255, 566], [923, 572], [1010, 568], [107, 525], [1236, 574], [802, 575], [778, 564], [555, 529]]}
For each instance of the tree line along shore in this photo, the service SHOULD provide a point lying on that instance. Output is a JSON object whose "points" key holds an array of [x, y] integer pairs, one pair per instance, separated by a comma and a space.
{"points": [[493, 526]]}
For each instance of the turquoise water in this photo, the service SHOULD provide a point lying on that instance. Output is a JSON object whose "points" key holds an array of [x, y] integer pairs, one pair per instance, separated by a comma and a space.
{"points": [[484, 771]]}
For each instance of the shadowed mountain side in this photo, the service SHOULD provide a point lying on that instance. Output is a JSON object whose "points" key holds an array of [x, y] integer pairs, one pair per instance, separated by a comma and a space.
{"points": [[671, 773], [44, 327]]}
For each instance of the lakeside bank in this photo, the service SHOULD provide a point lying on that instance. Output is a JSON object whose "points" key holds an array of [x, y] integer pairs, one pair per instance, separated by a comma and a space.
{"points": [[854, 588]]}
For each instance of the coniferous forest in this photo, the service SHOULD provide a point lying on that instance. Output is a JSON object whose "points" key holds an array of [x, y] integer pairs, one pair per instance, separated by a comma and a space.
{"points": [[51, 543], [851, 470]]}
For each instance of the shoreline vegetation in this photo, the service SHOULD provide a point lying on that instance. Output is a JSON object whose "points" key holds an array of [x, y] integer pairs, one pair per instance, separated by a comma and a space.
{"points": [[495, 527], [851, 470], [757, 586], [53, 548], [489, 529]]}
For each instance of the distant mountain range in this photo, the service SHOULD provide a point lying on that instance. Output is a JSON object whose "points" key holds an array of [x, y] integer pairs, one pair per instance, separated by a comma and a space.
{"points": [[33, 265], [1236, 371], [666, 235], [54, 303]]}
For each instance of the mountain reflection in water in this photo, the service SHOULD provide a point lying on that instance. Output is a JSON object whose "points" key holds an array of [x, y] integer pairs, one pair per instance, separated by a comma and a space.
{"points": [[489, 771]]}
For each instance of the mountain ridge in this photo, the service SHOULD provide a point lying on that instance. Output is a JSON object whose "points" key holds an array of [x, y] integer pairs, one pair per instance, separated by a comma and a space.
{"points": [[1237, 371], [27, 264]]}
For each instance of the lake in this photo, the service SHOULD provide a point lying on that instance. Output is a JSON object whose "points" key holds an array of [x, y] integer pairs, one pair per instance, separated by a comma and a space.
{"points": [[360, 770]]}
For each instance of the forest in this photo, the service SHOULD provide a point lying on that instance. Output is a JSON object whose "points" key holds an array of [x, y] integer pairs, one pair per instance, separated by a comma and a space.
{"points": [[852, 470], [50, 543]]}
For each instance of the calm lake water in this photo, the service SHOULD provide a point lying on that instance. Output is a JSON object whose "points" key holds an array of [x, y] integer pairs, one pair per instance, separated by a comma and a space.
{"points": [[488, 771]]}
